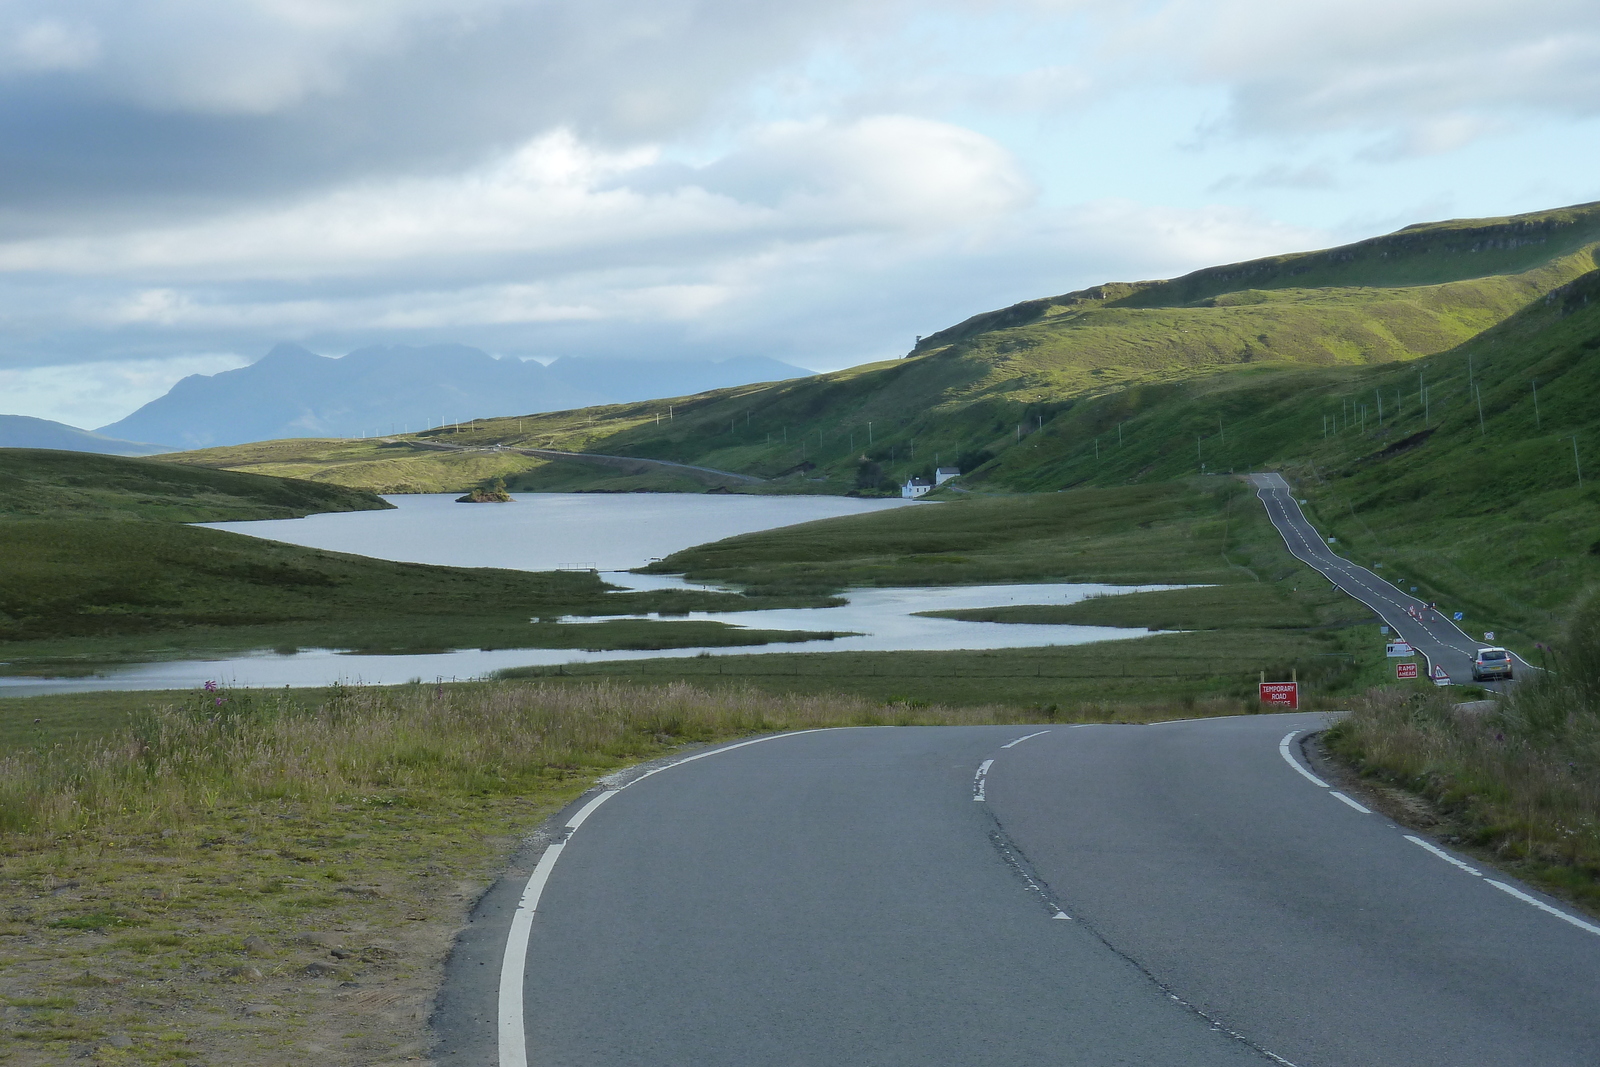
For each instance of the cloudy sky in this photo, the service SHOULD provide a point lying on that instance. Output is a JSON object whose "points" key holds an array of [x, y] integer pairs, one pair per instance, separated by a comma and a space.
{"points": [[184, 183]]}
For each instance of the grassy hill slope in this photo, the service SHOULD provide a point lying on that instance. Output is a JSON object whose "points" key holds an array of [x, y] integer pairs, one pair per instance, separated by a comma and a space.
{"points": [[982, 387], [36, 482], [1468, 486]]}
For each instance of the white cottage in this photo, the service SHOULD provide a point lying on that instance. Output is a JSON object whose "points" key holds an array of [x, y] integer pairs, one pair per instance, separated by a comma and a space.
{"points": [[944, 474], [914, 488]]}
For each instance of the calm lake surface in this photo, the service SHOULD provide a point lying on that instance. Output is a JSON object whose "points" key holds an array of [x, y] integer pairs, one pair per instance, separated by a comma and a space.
{"points": [[609, 533]]}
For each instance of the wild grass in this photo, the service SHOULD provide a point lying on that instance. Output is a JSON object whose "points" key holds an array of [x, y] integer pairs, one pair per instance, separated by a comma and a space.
{"points": [[408, 743], [1521, 782], [1136, 680], [260, 877]]}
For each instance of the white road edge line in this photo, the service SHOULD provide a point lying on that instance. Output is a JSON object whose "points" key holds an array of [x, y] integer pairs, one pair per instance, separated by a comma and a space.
{"points": [[1353, 804], [1542, 906], [1283, 750], [513, 1033], [977, 779], [1018, 741], [1442, 854]]}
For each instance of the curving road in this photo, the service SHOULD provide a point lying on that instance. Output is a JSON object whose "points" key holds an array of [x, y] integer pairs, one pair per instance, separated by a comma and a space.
{"points": [[1442, 643], [1185, 894]]}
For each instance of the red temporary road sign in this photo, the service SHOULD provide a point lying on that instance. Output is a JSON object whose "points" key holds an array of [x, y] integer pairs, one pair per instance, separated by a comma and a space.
{"points": [[1405, 670], [1281, 694], [1440, 677]]}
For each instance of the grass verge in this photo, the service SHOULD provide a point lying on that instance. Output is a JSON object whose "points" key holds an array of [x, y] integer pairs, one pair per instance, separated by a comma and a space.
{"points": [[263, 877], [1518, 783]]}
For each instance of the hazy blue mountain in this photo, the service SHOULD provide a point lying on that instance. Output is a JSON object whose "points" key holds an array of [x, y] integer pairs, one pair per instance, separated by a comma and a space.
{"points": [[292, 392], [25, 431]]}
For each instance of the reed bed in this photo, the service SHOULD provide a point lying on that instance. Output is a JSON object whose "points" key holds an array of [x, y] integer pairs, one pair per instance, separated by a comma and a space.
{"points": [[1521, 780]]}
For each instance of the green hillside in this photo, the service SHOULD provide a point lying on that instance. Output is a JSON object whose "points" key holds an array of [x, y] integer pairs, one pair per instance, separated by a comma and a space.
{"points": [[37, 482], [1480, 508], [980, 389], [1279, 363]]}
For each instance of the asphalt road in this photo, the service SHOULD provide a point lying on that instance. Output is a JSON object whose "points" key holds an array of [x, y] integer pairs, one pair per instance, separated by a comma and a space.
{"points": [[1179, 894], [1440, 641]]}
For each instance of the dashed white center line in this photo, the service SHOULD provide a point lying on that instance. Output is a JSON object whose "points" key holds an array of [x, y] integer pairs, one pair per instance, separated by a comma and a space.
{"points": [[1018, 741], [977, 779]]}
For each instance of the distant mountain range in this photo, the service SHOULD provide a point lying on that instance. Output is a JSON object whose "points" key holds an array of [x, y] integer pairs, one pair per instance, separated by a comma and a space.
{"points": [[25, 431], [293, 392]]}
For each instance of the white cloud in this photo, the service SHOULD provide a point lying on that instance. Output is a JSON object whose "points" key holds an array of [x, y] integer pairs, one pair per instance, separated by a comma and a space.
{"points": [[1435, 73], [51, 45], [557, 197], [817, 182]]}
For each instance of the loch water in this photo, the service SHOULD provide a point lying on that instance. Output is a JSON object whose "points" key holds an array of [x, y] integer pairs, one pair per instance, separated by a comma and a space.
{"points": [[610, 533]]}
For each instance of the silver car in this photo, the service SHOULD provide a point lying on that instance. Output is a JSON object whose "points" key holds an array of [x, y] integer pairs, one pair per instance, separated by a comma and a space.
{"points": [[1491, 663]]}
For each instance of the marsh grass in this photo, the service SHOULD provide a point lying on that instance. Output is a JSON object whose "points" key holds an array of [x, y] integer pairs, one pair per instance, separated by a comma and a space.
{"points": [[1521, 782]]}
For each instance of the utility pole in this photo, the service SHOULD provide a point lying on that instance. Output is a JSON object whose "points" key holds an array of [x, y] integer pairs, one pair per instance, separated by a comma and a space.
{"points": [[1379, 395], [1537, 423], [1427, 408], [1478, 393], [1119, 435], [1097, 450], [869, 435], [1576, 465]]}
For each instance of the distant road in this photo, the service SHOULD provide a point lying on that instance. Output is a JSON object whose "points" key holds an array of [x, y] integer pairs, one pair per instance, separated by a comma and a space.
{"points": [[1439, 640], [1187, 894]]}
